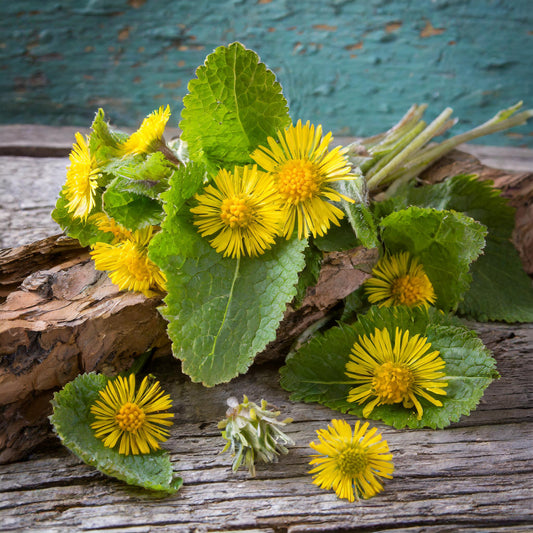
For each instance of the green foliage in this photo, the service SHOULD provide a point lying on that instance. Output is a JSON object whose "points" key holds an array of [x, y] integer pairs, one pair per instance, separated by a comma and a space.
{"points": [[315, 373], [358, 213], [338, 238], [446, 242], [143, 174], [71, 420], [84, 230], [233, 105], [221, 311], [309, 275], [128, 208], [104, 143], [132, 197], [500, 288]]}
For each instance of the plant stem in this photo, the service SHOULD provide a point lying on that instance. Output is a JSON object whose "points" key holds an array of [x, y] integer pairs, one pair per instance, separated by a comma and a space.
{"points": [[423, 138]]}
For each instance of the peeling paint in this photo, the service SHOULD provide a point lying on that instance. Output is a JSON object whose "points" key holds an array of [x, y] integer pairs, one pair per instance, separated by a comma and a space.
{"points": [[354, 67], [430, 31], [393, 26]]}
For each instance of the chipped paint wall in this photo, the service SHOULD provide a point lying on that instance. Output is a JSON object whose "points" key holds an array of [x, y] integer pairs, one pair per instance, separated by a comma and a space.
{"points": [[354, 66]]}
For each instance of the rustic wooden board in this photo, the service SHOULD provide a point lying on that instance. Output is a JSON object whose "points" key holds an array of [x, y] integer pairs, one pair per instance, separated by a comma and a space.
{"points": [[474, 476]]}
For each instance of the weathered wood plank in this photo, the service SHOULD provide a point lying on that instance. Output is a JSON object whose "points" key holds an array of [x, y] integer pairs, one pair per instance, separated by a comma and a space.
{"points": [[29, 188], [477, 473]]}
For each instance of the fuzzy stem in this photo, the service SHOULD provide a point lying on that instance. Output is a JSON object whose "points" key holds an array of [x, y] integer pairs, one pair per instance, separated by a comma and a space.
{"points": [[429, 155], [492, 126], [418, 142], [168, 153]]}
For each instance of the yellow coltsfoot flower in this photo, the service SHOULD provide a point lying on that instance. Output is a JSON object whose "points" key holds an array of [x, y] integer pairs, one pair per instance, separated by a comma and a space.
{"points": [[128, 265], [132, 419], [399, 279], [351, 463], [303, 170], [148, 137], [240, 213], [384, 373], [82, 178]]}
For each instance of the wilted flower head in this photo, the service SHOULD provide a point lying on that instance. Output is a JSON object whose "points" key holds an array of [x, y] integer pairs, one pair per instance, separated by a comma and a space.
{"points": [[253, 433]]}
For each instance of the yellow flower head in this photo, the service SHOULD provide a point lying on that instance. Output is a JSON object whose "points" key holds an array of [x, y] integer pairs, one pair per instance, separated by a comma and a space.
{"points": [[399, 280], [132, 419], [384, 373], [303, 170], [82, 177], [241, 211], [128, 264], [110, 225], [351, 463], [148, 137]]}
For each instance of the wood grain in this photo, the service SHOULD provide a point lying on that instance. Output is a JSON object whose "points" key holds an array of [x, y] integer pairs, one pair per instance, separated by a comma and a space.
{"points": [[475, 475]]}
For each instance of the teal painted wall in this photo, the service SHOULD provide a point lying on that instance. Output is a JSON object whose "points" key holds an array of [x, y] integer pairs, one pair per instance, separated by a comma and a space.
{"points": [[354, 66]]}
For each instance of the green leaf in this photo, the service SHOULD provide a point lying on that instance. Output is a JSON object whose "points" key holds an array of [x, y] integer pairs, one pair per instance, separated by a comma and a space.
{"points": [[86, 232], [309, 275], [500, 288], [145, 175], [221, 311], [315, 373], [104, 143], [71, 420], [338, 238], [233, 105], [130, 209], [446, 242], [132, 198]]}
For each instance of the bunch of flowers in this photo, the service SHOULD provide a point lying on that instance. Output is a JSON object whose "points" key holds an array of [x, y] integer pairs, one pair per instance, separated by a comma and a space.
{"points": [[228, 223]]}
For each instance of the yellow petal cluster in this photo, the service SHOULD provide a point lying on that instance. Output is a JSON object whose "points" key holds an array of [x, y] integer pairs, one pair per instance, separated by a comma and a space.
{"points": [[405, 371], [244, 211], [399, 279], [132, 420], [149, 136], [351, 462], [128, 264], [82, 179], [240, 213], [303, 170]]}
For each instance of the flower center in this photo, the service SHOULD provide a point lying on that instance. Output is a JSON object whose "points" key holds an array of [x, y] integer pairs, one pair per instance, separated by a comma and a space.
{"points": [[298, 180], [392, 381], [352, 461], [234, 212], [130, 417], [411, 290]]}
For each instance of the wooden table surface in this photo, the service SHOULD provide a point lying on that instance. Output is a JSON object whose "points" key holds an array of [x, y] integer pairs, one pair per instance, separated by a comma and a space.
{"points": [[475, 475]]}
